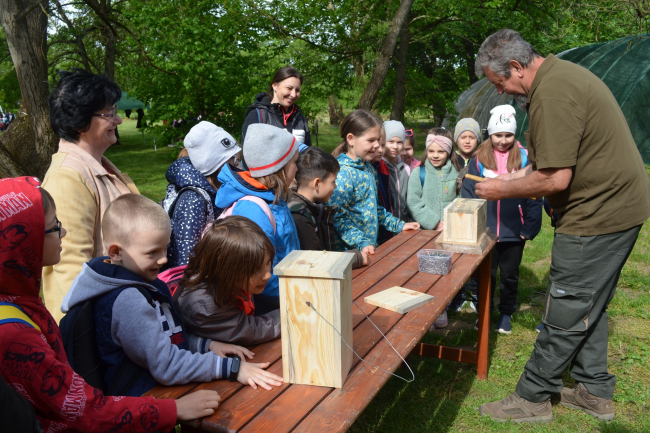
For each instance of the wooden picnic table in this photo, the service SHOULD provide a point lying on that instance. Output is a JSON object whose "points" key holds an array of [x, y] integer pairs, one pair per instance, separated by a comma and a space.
{"points": [[304, 408]]}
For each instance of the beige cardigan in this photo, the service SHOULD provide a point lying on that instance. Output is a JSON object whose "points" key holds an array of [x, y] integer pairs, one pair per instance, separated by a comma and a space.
{"points": [[82, 189]]}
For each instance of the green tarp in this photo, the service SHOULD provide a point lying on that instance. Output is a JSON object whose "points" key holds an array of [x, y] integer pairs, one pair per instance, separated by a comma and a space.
{"points": [[622, 64]]}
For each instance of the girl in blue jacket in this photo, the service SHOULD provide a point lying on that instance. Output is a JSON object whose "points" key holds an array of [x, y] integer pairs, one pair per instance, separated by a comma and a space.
{"points": [[260, 194], [514, 220], [359, 214]]}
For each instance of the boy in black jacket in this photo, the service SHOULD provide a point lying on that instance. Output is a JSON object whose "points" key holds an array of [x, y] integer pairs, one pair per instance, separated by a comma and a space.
{"points": [[316, 179]]}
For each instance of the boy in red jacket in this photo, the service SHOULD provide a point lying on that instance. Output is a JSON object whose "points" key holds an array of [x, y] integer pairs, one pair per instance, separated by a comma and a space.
{"points": [[32, 359]]}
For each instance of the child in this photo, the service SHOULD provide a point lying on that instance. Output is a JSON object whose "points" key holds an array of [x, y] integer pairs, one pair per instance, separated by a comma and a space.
{"points": [[391, 170], [432, 185], [467, 136], [135, 318], [316, 181], [34, 360], [260, 194], [407, 154], [359, 214], [514, 220], [193, 186], [231, 263]]}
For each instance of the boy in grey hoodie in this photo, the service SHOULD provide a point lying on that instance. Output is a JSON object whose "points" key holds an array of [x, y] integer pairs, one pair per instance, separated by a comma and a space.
{"points": [[392, 168], [134, 314]]}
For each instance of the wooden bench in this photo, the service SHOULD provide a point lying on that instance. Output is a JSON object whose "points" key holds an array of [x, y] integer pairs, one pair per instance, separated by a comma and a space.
{"points": [[305, 408]]}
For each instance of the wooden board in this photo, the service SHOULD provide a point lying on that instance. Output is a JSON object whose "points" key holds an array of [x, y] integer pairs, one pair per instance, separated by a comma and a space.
{"points": [[465, 220], [315, 264], [464, 248], [399, 299]]}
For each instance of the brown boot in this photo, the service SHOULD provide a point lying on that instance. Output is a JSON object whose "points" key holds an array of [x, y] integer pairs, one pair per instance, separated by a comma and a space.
{"points": [[516, 409], [579, 398]]}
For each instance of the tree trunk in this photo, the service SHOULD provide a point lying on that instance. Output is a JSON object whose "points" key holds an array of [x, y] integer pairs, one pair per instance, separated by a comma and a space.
{"points": [[471, 61], [383, 63], [400, 85], [27, 146]]}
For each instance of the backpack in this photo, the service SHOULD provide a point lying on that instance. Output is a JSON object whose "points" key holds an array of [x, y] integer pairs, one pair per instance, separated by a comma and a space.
{"points": [[260, 202], [172, 196], [78, 333]]}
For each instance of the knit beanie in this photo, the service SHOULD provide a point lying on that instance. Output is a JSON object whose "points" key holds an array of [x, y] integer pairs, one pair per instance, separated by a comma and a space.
{"points": [[209, 147], [468, 124], [394, 128], [502, 120], [267, 149]]}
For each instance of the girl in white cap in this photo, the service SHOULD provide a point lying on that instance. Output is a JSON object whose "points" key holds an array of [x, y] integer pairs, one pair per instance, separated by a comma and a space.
{"points": [[514, 220]]}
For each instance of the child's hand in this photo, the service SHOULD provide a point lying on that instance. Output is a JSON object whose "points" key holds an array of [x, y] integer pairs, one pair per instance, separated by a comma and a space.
{"points": [[253, 375], [197, 405], [369, 250], [411, 226], [224, 349], [522, 237], [364, 258], [440, 225]]}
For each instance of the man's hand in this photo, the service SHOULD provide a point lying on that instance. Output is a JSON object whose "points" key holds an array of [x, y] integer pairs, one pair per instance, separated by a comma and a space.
{"points": [[197, 405], [490, 189], [225, 349]]}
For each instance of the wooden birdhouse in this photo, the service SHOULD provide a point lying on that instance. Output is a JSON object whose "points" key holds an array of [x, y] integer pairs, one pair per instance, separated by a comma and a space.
{"points": [[465, 221], [313, 283]]}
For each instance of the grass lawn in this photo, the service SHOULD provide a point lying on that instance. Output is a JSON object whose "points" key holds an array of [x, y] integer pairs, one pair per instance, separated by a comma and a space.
{"points": [[446, 395]]}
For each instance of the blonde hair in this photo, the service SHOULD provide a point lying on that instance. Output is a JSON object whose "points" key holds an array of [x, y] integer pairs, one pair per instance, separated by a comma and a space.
{"points": [[129, 215], [276, 182]]}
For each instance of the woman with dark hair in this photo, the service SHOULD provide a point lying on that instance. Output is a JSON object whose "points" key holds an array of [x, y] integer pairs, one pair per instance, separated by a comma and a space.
{"points": [[278, 107], [82, 181]]}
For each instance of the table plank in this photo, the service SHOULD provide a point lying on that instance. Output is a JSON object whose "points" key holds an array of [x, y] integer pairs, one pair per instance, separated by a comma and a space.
{"points": [[341, 407], [386, 248]]}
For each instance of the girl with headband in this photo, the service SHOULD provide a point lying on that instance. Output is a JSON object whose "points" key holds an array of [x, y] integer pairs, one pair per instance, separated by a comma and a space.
{"points": [[432, 186]]}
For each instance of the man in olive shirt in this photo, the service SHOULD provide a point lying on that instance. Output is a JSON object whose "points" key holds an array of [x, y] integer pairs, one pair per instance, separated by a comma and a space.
{"points": [[585, 161]]}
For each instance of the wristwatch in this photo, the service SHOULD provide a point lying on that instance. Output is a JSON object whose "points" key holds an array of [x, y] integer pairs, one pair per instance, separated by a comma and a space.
{"points": [[234, 368]]}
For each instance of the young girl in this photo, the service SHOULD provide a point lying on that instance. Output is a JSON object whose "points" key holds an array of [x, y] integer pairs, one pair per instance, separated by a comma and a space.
{"points": [[261, 193], [514, 220], [467, 136], [31, 347], [407, 154], [359, 215], [231, 263], [432, 185]]}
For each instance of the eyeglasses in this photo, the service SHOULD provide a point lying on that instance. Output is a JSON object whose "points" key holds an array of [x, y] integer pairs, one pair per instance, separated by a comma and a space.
{"points": [[111, 115], [55, 229], [409, 132]]}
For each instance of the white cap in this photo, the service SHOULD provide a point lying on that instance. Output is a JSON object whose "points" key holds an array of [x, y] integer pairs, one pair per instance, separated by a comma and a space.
{"points": [[209, 147], [502, 119]]}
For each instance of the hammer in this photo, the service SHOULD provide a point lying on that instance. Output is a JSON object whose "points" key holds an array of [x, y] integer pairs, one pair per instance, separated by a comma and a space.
{"points": [[482, 179]]}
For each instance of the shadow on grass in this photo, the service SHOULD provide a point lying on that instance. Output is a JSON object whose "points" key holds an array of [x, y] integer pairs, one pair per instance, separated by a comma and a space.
{"points": [[433, 402]]}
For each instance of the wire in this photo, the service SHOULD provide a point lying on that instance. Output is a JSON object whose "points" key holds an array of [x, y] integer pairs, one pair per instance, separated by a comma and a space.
{"points": [[309, 304]]}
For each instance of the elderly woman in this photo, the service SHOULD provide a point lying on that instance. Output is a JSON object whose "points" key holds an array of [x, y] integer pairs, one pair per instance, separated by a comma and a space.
{"points": [[278, 107], [80, 179]]}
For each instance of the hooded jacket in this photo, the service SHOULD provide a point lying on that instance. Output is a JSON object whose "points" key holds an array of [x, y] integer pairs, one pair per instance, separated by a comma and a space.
{"points": [[511, 217], [428, 203], [275, 114], [127, 325], [192, 210], [226, 323], [34, 362], [315, 225], [397, 178], [359, 213], [236, 184]]}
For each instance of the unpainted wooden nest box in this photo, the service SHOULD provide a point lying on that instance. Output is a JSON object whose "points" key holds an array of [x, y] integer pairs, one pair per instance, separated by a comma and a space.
{"points": [[465, 220], [313, 353]]}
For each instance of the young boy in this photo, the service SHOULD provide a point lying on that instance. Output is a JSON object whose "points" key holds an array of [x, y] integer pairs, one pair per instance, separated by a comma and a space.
{"points": [[392, 172], [148, 330], [316, 180], [31, 349]]}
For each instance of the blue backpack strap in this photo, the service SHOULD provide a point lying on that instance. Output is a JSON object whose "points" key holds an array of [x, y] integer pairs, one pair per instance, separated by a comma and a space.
{"points": [[480, 167], [423, 174], [260, 118], [524, 157], [11, 313]]}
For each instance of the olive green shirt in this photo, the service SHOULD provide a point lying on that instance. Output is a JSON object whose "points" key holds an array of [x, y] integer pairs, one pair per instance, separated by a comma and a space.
{"points": [[576, 122]]}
